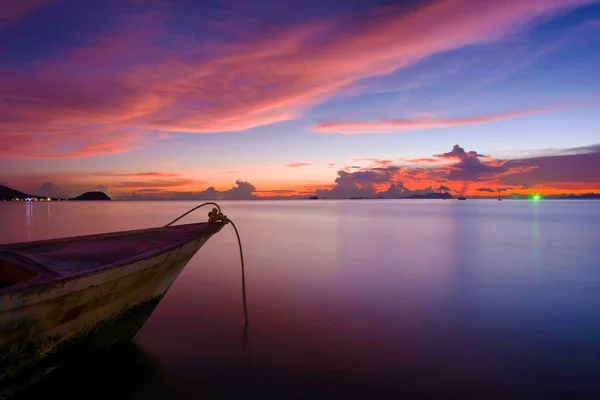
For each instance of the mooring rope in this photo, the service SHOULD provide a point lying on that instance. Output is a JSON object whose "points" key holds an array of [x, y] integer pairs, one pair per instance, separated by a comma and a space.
{"points": [[216, 216]]}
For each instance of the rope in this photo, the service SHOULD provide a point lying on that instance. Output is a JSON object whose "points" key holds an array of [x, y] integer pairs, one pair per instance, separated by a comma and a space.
{"points": [[243, 273], [216, 216]]}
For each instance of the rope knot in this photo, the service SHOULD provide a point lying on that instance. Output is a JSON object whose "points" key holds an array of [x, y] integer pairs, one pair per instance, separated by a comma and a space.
{"points": [[216, 216]]}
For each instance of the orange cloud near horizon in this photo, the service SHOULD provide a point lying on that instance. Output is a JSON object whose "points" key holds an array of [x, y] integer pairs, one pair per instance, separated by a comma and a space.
{"points": [[456, 171], [415, 183]]}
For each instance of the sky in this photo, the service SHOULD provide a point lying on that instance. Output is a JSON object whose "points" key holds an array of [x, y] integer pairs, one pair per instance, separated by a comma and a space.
{"points": [[182, 99]]}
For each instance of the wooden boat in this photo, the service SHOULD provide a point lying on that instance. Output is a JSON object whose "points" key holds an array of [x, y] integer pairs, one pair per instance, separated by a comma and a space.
{"points": [[67, 297]]}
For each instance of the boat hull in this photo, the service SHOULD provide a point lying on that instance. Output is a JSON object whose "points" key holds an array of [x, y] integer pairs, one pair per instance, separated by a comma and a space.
{"points": [[82, 315]]}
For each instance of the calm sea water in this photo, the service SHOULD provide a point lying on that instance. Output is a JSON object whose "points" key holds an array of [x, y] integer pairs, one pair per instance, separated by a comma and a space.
{"points": [[355, 299]]}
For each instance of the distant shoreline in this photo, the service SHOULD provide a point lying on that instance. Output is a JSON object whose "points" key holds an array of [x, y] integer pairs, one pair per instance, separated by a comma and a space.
{"points": [[11, 195], [289, 199]]}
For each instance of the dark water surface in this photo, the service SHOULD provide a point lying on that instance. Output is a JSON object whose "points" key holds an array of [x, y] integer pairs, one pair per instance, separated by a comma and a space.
{"points": [[363, 299]]}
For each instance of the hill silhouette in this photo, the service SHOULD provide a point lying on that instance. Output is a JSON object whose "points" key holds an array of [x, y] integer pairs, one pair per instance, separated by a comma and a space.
{"points": [[92, 196], [7, 193]]}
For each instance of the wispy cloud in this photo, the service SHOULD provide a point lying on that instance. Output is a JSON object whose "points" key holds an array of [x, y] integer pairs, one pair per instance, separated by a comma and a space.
{"points": [[390, 125], [157, 183], [376, 161], [297, 164], [137, 174], [106, 96], [422, 160], [57, 144]]}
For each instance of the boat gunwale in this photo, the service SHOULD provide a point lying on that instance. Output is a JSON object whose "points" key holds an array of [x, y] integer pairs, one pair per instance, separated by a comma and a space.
{"points": [[26, 287], [95, 236]]}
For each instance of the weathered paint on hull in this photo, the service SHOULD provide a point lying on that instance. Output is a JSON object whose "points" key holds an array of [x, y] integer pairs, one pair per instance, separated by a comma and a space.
{"points": [[83, 315]]}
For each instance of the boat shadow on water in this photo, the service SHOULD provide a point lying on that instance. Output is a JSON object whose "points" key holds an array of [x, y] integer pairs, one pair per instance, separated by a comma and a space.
{"points": [[123, 371]]}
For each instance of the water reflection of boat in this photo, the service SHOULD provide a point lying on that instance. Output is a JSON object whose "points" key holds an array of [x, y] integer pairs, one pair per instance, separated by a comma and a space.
{"points": [[126, 369], [65, 297]]}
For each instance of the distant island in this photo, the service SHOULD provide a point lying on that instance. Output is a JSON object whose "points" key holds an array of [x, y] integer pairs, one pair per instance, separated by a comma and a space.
{"points": [[433, 195], [95, 196], [10, 194]]}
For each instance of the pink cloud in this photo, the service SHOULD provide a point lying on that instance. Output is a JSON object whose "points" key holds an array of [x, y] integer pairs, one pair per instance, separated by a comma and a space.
{"points": [[63, 144], [137, 174], [73, 106], [383, 126], [157, 183], [370, 49], [377, 161], [423, 161], [297, 165]]}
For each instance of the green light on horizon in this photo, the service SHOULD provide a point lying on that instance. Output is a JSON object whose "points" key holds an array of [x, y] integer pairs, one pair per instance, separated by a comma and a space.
{"points": [[536, 197]]}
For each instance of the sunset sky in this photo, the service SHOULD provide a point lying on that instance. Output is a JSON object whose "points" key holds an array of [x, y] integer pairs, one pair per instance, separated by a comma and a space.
{"points": [[158, 98]]}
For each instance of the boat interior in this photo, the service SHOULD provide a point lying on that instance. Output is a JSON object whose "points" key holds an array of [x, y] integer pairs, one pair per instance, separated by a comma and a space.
{"points": [[16, 270]]}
